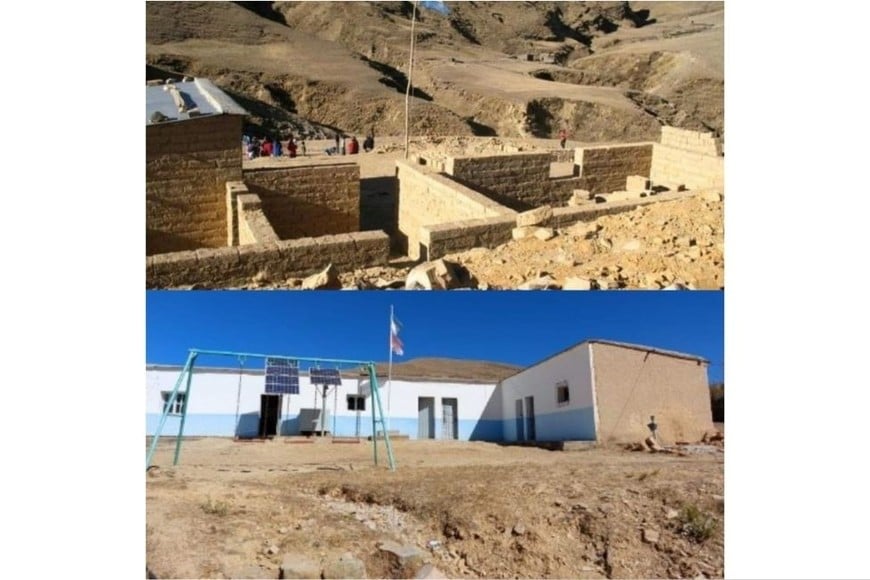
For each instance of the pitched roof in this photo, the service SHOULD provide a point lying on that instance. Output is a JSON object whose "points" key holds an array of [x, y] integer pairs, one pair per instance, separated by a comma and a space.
{"points": [[185, 100]]}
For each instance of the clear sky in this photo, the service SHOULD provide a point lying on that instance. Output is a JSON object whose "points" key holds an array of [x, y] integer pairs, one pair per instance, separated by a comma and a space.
{"points": [[514, 326]]}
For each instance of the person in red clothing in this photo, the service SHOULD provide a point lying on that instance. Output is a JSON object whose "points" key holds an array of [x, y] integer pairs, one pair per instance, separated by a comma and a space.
{"points": [[353, 146], [266, 148], [563, 137], [291, 147]]}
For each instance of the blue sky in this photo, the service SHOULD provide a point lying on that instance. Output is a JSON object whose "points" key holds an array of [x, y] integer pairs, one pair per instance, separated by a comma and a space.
{"points": [[513, 327]]}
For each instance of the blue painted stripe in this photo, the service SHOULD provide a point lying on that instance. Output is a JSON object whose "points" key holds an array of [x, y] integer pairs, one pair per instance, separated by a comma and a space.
{"points": [[225, 425], [568, 425]]}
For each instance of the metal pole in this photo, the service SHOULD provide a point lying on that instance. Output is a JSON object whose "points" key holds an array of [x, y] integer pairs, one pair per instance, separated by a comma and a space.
{"points": [[372, 380], [184, 411], [187, 367], [377, 398], [390, 371], [410, 71], [323, 413]]}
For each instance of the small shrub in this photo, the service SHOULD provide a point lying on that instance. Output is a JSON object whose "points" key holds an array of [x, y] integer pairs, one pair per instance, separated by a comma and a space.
{"points": [[696, 524], [215, 507], [645, 474]]}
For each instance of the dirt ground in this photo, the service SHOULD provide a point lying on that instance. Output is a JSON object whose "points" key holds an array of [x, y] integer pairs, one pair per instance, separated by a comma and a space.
{"points": [[236, 509]]}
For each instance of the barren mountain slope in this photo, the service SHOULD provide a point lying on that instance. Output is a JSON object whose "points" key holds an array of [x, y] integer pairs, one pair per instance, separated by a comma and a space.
{"points": [[605, 70]]}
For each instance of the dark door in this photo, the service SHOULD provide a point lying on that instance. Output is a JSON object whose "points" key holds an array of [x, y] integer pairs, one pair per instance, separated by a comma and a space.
{"points": [[270, 409], [521, 430], [530, 418]]}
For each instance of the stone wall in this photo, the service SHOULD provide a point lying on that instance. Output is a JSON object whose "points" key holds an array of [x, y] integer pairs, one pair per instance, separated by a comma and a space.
{"points": [[427, 198], [236, 266], [631, 385], [438, 240], [312, 200], [672, 167], [605, 169], [694, 141], [254, 228], [187, 165], [518, 181]]}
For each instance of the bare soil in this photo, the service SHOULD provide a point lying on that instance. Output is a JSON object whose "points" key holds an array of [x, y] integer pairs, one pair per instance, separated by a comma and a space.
{"points": [[327, 66], [476, 509]]}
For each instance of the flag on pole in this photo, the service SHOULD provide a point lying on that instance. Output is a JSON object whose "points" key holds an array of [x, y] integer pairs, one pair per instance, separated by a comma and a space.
{"points": [[395, 343]]}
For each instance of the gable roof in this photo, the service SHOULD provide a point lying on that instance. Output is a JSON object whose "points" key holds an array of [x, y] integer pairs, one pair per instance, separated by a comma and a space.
{"points": [[185, 100]]}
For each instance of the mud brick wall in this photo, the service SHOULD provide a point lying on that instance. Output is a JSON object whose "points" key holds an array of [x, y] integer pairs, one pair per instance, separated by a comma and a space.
{"points": [[673, 166], [187, 165], [631, 385], [254, 228], [446, 238], [427, 198], [520, 181], [693, 141], [310, 200], [236, 266], [605, 169], [442, 239]]}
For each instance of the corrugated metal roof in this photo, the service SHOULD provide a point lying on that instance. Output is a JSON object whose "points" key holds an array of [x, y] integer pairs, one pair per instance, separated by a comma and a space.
{"points": [[197, 98]]}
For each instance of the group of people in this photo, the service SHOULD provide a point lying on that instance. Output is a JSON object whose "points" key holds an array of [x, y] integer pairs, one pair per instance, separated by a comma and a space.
{"points": [[271, 146], [343, 146]]}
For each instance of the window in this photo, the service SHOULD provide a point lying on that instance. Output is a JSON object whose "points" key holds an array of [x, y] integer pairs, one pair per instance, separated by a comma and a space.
{"points": [[356, 403], [562, 395], [176, 406]]}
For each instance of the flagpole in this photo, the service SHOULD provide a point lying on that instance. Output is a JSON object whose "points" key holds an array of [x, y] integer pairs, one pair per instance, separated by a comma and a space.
{"points": [[390, 372]]}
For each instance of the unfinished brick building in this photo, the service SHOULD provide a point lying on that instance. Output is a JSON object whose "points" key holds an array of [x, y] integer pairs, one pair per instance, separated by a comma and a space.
{"points": [[452, 203], [211, 222]]}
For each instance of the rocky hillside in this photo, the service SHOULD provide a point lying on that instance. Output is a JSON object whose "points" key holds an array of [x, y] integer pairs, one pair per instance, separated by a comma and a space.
{"points": [[602, 70]]}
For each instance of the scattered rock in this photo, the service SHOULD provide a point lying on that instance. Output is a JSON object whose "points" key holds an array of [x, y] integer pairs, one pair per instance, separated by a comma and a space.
{"points": [[631, 246], [403, 554], [535, 217], [430, 572], [252, 573], [283, 530], [544, 234], [574, 283], [346, 566], [519, 529], [637, 183], [437, 275], [327, 279], [652, 444], [298, 566], [650, 536], [522, 232], [542, 283], [712, 196], [671, 514]]}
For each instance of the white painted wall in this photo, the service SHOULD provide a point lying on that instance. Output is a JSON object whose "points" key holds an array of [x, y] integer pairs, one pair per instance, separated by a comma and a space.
{"points": [[215, 391], [553, 422]]}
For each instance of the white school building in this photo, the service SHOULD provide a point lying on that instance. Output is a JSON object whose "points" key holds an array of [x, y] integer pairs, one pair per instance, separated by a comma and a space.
{"points": [[597, 390]]}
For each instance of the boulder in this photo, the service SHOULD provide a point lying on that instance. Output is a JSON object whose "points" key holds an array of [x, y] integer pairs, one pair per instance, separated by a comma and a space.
{"points": [[535, 217], [404, 555], [324, 280], [544, 234], [436, 275], [541, 283], [650, 536], [346, 566], [429, 572], [574, 283], [522, 232], [299, 566]]}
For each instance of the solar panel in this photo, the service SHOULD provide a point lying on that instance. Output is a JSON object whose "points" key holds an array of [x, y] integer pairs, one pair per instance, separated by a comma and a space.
{"points": [[282, 376], [324, 376]]}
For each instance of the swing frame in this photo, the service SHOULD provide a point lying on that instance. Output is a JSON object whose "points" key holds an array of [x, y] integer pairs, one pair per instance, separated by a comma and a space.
{"points": [[186, 377]]}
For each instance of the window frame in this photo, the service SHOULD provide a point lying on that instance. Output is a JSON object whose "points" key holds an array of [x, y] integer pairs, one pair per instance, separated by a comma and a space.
{"points": [[359, 402], [178, 404], [562, 386]]}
